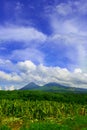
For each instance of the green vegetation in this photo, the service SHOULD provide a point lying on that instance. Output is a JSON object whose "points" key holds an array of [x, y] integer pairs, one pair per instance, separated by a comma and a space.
{"points": [[36, 110], [4, 127], [45, 126]]}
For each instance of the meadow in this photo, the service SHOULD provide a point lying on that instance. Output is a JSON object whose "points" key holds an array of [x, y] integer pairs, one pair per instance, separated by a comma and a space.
{"points": [[37, 110]]}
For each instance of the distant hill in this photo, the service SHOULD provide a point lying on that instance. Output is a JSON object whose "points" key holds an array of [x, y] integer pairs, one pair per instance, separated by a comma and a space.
{"points": [[52, 87]]}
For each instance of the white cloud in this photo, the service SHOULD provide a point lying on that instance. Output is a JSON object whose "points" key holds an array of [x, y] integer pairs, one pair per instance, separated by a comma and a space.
{"points": [[32, 54], [24, 34], [7, 65], [76, 45], [0, 88], [68, 17], [69, 31], [9, 88], [12, 88], [64, 9], [12, 77], [68, 34], [81, 6], [40, 74], [27, 66], [78, 70], [72, 8], [64, 26]]}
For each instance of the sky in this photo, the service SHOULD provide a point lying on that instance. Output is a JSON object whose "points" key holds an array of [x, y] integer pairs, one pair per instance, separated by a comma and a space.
{"points": [[43, 41]]}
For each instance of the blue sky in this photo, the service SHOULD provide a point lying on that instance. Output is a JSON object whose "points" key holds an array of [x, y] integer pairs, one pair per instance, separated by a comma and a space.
{"points": [[39, 37]]}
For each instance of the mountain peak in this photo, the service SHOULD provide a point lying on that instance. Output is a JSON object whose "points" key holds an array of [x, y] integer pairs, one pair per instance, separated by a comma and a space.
{"points": [[30, 86]]}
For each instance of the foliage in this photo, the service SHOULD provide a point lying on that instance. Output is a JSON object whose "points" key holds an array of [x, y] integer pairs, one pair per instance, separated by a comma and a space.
{"points": [[33, 109], [79, 98], [45, 126], [4, 127]]}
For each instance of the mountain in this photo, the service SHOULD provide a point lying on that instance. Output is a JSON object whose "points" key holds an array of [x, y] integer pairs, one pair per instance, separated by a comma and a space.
{"points": [[53, 87], [56, 87], [47, 87], [30, 86]]}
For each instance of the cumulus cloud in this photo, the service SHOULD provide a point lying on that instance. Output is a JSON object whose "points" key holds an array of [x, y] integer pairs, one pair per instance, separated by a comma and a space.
{"points": [[27, 66], [13, 77], [40, 74]]}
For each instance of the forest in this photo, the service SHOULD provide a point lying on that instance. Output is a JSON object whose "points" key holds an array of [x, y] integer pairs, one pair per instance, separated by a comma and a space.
{"points": [[37, 110]]}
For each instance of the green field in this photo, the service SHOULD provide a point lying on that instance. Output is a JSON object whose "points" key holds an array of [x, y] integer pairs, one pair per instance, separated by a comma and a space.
{"points": [[36, 110]]}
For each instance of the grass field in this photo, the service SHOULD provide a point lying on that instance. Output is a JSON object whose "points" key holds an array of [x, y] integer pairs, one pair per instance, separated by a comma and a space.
{"points": [[64, 112]]}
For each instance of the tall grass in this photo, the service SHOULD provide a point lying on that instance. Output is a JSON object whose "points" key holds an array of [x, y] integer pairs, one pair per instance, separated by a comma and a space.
{"points": [[44, 114]]}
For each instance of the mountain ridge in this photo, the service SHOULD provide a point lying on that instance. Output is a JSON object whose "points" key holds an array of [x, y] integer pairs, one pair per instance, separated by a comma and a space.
{"points": [[53, 87]]}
